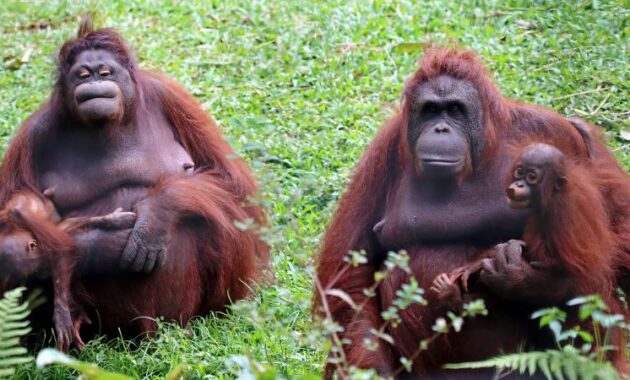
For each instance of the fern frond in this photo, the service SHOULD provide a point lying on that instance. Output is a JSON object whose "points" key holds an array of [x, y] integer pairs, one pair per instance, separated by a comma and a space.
{"points": [[13, 326], [552, 364]]}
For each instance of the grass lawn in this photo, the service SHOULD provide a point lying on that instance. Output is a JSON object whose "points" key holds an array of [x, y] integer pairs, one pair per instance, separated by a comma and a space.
{"points": [[300, 88]]}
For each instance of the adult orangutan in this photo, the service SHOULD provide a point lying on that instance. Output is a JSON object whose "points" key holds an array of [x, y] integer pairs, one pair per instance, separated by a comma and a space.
{"points": [[432, 183], [115, 136]]}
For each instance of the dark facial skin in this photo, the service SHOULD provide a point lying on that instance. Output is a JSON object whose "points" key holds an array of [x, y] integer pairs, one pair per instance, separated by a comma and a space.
{"points": [[432, 200], [109, 158], [445, 127], [20, 258], [100, 90], [19, 252], [540, 169]]}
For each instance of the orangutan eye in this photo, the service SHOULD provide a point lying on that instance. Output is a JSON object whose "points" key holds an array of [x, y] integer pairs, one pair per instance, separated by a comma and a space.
{"points": [[104, 71], [83, 74], [429, 109], [32, 245], [519, 172], [453, 109], [531, 178]]}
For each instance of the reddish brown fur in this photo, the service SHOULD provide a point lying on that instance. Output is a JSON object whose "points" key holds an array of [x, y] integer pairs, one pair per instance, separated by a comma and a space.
{"points": [[382, 165], [612, 181], [573, 232], [569, 232], [29, 218], [210, 262]]}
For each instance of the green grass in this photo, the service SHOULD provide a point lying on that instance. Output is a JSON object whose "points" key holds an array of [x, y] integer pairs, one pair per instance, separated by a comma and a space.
{"points": [[300, 88]]}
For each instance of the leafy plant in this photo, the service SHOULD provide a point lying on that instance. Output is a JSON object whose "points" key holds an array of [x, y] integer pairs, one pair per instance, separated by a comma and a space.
{"points": [[300, 89], [580, 353], [554, 364], [408, 294], [13, 326], [91, 371], [246, 368]]}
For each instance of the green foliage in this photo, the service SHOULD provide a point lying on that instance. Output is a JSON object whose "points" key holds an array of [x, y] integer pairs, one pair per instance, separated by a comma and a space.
{"points": [[50, 356], [407, 295], [13, 326], [89, 371], [554, 364], [300, 89], [581, 354], [245, 368]]}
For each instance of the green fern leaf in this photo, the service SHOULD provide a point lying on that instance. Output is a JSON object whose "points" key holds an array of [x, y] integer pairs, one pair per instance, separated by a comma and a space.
{"points": [[522, 364], [552, 364], [13, 326], [543, 366], [555, 366], [531, 367], [571, 372], [4, 373]]}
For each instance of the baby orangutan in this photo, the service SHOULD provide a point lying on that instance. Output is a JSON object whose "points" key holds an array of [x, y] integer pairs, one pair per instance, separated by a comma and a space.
{"points": [[567, 247], [36, 244]]}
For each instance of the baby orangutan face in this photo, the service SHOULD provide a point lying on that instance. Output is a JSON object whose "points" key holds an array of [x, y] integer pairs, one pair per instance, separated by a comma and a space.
{"points": [[538, 173], [19, 254]]}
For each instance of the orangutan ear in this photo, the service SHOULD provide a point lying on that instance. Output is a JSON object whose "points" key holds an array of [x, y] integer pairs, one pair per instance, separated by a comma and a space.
{"points": [[32, 246]]}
